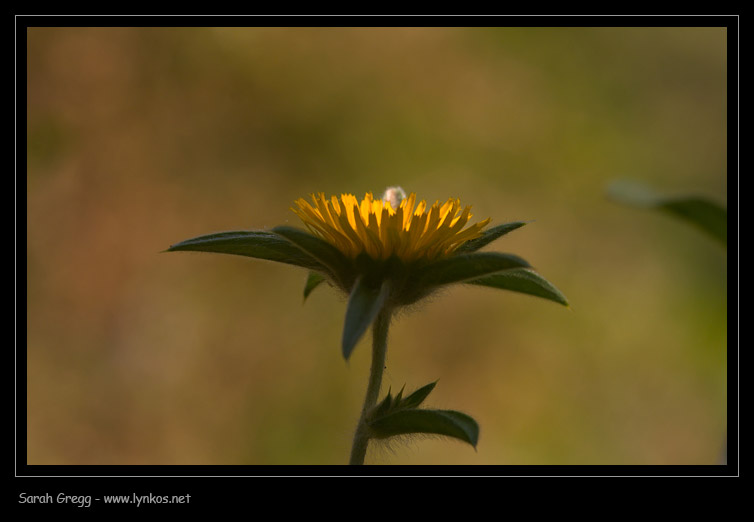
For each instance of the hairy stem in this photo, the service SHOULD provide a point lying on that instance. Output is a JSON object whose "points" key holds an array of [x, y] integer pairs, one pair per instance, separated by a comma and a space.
{"points": [[379, 351]]}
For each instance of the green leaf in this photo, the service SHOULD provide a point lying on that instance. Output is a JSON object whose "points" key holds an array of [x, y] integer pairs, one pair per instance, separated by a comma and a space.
{"points": [[488, 236], [313, 281], [417, 397], [258, 244], [319, 249], [465, 267], [525, 281], [700, 212], [364, 303], [438, 422]]}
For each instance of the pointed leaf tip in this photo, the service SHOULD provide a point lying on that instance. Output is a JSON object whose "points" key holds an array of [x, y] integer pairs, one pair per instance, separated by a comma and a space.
{"points": [[313, 280], [399, 396], [525, 281]]}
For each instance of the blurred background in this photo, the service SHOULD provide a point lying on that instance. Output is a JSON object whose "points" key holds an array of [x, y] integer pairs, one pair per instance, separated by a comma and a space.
{"points": [[141, 138]]}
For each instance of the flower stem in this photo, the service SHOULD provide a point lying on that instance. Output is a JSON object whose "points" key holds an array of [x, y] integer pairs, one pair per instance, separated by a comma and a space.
{"points": [[379, 351]]}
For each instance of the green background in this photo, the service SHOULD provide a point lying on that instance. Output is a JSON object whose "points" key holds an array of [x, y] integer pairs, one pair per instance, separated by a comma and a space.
{"points": [[140, 138]]}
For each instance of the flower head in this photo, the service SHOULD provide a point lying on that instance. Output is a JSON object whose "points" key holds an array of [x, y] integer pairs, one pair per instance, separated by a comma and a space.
{"points": [[392, 226]]}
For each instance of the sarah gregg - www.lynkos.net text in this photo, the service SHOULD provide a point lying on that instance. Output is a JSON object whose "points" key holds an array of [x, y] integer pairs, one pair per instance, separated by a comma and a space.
{"points": [[87, 500]]}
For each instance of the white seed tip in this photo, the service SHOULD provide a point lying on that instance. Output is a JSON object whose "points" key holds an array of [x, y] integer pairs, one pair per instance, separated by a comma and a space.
{"points": [[394, 195]]}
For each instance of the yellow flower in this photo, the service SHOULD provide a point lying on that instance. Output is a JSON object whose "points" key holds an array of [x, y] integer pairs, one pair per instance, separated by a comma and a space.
{"points": [[391, 226]]}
